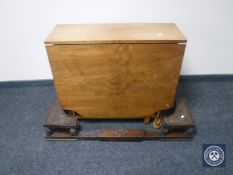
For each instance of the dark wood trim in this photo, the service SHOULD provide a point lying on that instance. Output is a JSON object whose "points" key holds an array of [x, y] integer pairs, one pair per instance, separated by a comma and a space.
{"points": [[177, 126]]}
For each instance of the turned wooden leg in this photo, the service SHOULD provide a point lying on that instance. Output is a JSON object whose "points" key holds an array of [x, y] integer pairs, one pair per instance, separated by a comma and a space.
{"points": [[190, 131], [147, 120], [48, 131], [157, 121], [73, 131]]}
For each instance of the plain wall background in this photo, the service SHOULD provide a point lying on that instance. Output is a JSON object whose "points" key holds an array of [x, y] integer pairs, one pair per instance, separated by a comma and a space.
{"points": [[24, 24]]}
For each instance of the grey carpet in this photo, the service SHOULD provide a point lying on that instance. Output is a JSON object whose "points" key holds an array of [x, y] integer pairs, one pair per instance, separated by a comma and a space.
{"points": [[23, 149]]}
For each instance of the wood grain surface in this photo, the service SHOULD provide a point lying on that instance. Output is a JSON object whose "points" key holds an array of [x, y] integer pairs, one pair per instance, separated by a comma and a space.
{"points": [[115, 33], [115, 80]]}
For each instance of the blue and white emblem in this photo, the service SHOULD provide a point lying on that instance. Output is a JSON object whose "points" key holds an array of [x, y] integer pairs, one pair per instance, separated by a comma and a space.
{"points": [[214, 155]]}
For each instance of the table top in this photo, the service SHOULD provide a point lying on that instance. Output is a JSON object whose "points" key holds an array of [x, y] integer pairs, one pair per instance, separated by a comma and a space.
{"points": [[115, 33]]}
